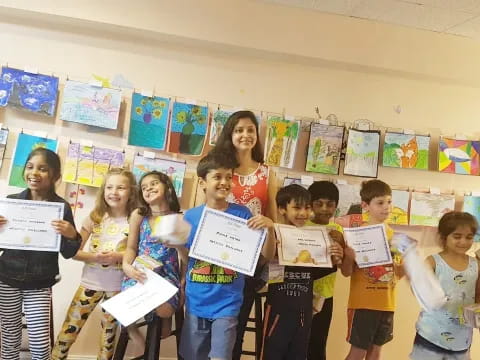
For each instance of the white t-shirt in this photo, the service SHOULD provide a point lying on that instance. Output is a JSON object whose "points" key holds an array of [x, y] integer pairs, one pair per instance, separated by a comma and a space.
{"points": [[110, 235]]}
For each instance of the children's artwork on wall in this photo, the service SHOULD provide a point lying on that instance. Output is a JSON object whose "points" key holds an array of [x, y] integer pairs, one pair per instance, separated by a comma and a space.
{"points": [[349, 221], [349, 201], [25, 144], [3, 144], [426, 209], [406, 151], [91, 105], [174, 169], [81, 199], [188, 128], [289, 181], [5, 92], [361, 157], [149, 121], [33, 92], [281, 142], [220, 117], [87, 165], [324, 148], [471, 205], [458, 156]]}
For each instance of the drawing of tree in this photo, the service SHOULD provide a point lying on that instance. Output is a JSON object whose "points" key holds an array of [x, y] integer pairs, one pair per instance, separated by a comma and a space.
{"points": [[316, 150]]}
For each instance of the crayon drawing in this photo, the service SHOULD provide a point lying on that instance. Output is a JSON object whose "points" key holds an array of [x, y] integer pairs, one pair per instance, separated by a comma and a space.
{"points": [[458, 156], [361, 157], [219, 119], [91, 105], [426, 209], [87, 165], [281, 142], [188, 128], [406, 151], [33, 92], [26, 144], [289, 181], [174, 169], [349, 201], [324, 148], [149, 121]]}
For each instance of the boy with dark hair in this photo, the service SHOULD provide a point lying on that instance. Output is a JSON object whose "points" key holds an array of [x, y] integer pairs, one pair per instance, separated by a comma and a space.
{"points": [[213, 294], [325, 198], [288, 312], [371, 303]]}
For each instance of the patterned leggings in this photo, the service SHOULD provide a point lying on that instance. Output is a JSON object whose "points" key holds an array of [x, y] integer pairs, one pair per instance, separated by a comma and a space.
{"points": [[36, 305], [83, 304]]}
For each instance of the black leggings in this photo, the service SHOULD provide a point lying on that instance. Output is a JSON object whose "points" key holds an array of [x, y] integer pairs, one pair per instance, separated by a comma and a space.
{"points": [[317, 348]]}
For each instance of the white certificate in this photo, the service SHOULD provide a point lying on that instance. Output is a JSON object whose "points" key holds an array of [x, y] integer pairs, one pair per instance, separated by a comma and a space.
{"points": [[303, 246], [225, 240], [137, 301], [29, 225], [370, 244]]}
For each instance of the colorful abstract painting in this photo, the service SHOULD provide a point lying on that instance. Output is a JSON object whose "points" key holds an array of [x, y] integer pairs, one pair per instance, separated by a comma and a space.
{"points": [[406, 151], [361, 158], [220, 117], [87, 165], [149, 121], [426, 209], [3, 144], [324, 148], [91, 105], [33, 92], [281, 142], [188, 128], [349, 201], [471, 205], [26, 144], [174, 169], [458, 156]]}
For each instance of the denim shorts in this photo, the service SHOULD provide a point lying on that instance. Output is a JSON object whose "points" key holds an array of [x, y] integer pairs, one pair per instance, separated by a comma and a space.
{"points": [[203, 339], [424, 350]]}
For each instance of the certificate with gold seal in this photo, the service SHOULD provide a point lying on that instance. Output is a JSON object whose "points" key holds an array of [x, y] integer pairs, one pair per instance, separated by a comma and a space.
{"points": [[29, 225], [303, 246], [370, 244], [226, 240]]}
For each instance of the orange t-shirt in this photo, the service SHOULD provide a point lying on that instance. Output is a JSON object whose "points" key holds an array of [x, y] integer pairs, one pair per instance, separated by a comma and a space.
{"points": [[374, 287]]}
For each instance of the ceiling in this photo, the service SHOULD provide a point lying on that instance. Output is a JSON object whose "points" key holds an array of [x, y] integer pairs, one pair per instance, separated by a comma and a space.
{"points": [[458, 17]]}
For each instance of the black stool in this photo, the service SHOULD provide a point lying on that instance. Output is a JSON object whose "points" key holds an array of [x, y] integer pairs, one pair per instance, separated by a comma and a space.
{"points": [[257, 320], [153, 337]]}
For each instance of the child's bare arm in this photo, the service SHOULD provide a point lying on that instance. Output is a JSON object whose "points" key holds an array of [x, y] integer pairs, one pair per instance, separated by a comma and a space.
{"points": [[348, 264], [477, 288], [82, 255], [132, 248]]}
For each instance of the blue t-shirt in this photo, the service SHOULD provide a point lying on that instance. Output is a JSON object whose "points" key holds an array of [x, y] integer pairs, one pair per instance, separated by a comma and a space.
{"points": [[211, 291]]}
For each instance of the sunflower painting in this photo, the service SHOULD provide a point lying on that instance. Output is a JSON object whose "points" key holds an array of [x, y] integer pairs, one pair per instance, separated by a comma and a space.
{"points": [[149, 121], [188, 128]]}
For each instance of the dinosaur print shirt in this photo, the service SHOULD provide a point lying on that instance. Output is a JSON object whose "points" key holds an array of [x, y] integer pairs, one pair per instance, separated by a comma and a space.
{"points": [[211, 291]]}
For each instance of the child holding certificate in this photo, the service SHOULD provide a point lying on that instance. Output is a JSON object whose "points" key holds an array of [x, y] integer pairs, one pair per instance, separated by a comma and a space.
{"points": [[325, 197], [27, 276], [372, 301], [288, 312], [214, 294], [441, 333], [107, 228], [157, 198]]}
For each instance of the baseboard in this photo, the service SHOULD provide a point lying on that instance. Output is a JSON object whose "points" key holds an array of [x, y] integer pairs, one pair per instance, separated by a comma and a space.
{"points": [[26, 356]]}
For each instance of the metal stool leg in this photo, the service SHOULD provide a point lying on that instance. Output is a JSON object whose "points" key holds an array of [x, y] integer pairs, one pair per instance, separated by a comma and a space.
{"points": [[122, 343], [258, 325], [152, 343]]}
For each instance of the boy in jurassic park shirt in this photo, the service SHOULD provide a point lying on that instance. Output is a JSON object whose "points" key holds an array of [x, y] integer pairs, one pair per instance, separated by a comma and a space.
{"points": [[288, 311], [213, 294], [372, 302]]}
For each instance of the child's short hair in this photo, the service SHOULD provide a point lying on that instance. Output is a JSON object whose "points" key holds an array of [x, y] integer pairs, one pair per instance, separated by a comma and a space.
{"points": [[212, 161], [453, 219], [324, 190], [374, 188], [294, 192]]}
